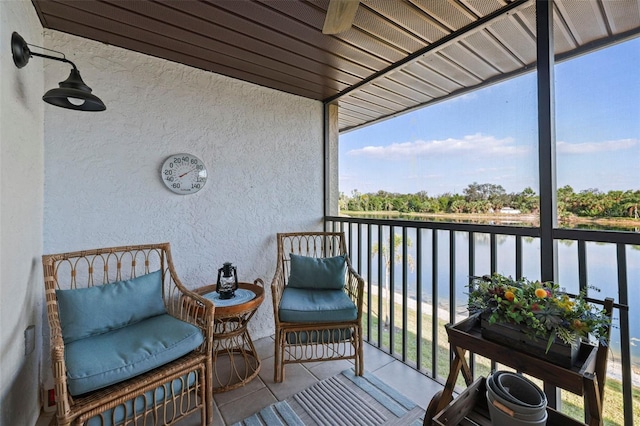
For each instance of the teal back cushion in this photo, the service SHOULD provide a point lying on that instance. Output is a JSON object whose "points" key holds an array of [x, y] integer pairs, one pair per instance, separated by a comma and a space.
{"points": [[96, 310], [317, 273]]}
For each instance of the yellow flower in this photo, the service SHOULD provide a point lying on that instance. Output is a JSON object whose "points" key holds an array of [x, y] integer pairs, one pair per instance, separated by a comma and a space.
{"points": [[541, 293], [566, 303], [509, 295]]}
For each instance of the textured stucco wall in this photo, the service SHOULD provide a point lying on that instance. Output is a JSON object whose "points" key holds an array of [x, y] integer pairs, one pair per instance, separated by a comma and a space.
{"points": [[263, 149], [21, 187]]}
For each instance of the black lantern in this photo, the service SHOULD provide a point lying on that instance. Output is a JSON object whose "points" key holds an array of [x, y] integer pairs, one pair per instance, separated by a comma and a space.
{"points": [[227, 281]]}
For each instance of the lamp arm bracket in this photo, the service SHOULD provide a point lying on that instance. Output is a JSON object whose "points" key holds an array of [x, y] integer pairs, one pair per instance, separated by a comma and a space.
{"points": [[21, 52], [55, 58]]}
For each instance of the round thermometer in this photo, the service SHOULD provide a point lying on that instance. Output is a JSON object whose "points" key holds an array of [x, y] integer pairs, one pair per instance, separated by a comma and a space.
{"points": [[184, 173]]}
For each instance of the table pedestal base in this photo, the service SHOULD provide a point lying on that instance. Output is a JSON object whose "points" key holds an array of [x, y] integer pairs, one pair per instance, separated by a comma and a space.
{"points": [[235, 361]]}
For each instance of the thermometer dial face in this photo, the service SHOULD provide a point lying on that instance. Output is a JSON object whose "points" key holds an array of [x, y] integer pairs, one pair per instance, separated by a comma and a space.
{"points": [[184, 174]]}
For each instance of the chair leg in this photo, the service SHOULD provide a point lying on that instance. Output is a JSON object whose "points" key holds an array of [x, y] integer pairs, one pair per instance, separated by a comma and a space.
{"points": [[360, 354], [208, 393], [278, 361]]}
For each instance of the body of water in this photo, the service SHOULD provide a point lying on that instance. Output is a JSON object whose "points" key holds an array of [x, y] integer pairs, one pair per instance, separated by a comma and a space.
{"points": [[601, 271]]}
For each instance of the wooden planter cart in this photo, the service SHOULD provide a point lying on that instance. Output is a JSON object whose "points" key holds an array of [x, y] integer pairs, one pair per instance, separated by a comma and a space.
{"points": [[585, 378]]}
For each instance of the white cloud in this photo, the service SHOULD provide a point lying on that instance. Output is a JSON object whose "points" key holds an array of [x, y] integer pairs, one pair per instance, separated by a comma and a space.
{"points": [[594, 147], [471, 145]]}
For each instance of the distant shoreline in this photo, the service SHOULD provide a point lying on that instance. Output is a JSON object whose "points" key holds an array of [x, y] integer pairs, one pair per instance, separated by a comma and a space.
{"points": [[505, 218]]}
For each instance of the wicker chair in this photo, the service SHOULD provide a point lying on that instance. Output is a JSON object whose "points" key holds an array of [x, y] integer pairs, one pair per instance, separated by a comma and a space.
{"points": [[162, 395], [329, 339]]}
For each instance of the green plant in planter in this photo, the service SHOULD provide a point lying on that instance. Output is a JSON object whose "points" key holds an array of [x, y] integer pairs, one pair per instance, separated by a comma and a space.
{"points": [[541, 308]]}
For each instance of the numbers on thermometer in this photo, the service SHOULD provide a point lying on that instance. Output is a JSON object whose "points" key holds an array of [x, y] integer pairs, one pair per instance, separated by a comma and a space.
{"points": [[184, 173]]}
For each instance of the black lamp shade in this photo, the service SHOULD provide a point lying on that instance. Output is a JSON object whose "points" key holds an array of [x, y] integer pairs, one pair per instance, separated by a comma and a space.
{"points": [[74, 94]]}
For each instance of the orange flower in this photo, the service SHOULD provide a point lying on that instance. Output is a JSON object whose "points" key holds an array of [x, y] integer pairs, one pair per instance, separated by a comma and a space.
{"points": [[509, 295], [541, 293], [581, 327]]}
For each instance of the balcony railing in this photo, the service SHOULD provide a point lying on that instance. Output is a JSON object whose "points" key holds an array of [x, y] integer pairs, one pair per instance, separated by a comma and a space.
{"points": [[417, 276]]}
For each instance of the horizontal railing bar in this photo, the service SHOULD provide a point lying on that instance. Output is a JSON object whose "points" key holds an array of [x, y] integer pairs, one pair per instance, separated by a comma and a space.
{"points": [[445, 226], [589, 235], [598, 236]]}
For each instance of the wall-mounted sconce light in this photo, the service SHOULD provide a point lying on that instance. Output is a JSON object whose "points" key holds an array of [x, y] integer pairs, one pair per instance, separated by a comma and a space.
{"points": [[72, 93]]}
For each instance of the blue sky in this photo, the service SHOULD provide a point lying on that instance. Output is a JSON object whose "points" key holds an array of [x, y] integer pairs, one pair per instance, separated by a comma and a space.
{"points": [[490, 135]]}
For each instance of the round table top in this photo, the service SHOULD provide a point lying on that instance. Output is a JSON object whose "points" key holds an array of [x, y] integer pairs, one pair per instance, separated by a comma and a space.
{"points": [[248, 296], [241, 295]]}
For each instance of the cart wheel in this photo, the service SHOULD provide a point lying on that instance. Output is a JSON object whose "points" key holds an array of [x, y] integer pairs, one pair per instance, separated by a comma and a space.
{"points": [[431, 409]]}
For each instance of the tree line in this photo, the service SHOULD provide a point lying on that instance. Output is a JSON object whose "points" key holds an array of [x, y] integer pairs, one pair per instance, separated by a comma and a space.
{"points": [[489, 198]]}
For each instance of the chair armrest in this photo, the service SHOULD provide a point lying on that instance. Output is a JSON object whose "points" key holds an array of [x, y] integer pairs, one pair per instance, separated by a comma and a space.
{"points": [[63, 398], [277, 287], [190, 307], [59, 367], [355, 288]]}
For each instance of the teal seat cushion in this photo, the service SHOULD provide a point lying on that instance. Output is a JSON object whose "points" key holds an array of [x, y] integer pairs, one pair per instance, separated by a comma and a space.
{"points": [[102, 360], [317, 272], [301, 305], [99, 309]]}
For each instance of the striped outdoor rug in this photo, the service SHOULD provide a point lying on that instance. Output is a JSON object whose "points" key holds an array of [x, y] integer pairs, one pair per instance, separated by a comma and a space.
{"points": [[345, 399]]}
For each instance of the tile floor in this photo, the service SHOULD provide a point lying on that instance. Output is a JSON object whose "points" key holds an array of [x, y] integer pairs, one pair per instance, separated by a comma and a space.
{"points": [[235, 405]]}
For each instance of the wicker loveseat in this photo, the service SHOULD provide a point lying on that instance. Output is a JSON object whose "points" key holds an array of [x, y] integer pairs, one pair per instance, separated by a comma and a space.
{"points": [[130, 345]]}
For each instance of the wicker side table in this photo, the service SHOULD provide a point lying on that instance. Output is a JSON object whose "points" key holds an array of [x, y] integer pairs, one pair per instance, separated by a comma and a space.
{"points": [[235, 361]]}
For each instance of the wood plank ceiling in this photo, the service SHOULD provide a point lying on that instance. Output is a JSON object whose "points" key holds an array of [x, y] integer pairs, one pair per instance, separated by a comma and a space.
{"points": [[398, 55]]}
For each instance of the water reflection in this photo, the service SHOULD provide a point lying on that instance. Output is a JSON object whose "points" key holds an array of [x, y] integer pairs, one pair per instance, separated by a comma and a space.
{"points": [[601, 268]]}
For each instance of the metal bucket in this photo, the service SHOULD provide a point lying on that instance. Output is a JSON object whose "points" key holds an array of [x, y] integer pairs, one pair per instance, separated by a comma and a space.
{"points": [[514, 400]]}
